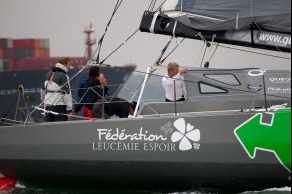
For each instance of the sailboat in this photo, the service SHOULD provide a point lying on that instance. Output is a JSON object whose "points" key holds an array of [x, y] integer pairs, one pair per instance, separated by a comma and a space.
{"points": [[233, 131]]}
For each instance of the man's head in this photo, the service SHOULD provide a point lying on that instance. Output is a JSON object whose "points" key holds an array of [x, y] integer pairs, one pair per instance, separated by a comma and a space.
{"points": [[94, 71], [65, 61], [102, 79], [172, 69]]}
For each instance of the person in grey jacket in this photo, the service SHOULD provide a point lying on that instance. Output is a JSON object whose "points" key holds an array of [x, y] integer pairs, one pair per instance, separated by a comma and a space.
{"points": [[56, 93]]}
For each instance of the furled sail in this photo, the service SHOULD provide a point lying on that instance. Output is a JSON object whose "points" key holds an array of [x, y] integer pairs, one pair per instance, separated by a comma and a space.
{"points": [[255, 23]]}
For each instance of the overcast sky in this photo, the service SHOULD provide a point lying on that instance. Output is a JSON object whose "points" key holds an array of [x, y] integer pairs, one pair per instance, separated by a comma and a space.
{"points": [[62, 21]]}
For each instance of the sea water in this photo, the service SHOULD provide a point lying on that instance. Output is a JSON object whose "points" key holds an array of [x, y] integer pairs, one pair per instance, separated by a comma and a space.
{"points": [[23, 190]]}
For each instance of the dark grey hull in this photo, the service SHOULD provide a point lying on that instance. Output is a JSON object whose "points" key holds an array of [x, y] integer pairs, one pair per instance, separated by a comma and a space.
{"points": [[140, 153]]}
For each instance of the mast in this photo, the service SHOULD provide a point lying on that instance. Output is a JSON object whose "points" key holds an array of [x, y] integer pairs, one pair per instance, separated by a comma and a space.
{"points": [[89, 42]]}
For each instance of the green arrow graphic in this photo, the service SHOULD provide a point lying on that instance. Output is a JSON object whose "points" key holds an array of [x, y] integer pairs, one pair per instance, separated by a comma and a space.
{"points": [[273, 137]]}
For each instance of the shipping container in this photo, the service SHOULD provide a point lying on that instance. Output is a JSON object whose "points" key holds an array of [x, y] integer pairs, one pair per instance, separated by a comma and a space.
{"points": [[1, 66], [5, 64], [23, 53], [1, 53], [47, 52], [19, 65], [23, 43], [37, 43], [6, 43], [10, 43], [3, 43], [10, 64], [8, 53], [41, 53], [45, 43]]}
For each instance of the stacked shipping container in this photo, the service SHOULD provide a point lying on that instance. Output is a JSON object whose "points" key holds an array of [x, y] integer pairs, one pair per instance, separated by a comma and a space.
{"points": [[13, 52], [30, 54], [6, 54]]}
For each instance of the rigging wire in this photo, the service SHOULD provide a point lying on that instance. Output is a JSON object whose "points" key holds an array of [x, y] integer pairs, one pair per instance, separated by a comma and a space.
{"points": [[118, 4], [189, 81], [5, 114], [152, 5], [194, 82], [204, 55], [162, 61], [159, 61], [207, 63], [257, 25], [254, 52], [200, 54], [122, 44]]}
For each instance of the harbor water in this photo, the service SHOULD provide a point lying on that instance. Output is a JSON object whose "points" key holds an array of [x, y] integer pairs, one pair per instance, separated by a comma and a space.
{"points": [[23, 190]]}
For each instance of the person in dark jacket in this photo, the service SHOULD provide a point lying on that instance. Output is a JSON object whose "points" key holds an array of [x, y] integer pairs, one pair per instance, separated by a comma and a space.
{"points": [[56, 93], [94, 92], [114, 106], [103, 83]]}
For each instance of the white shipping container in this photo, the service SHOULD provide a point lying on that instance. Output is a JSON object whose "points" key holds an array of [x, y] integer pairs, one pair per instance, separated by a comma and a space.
{"points": [[45, 43], [10, 43], [1, 65]]}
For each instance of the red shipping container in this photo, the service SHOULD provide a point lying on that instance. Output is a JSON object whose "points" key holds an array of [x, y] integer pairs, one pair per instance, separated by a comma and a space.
{"points": [[23, 43], [41, 53], [3, 43], [10, 64], [38, 53], [37, 43], [1, 53], [19, 64], [8, 53], [47, 52]]}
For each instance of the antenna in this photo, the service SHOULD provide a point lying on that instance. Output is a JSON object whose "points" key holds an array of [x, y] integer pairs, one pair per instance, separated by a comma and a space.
{"points": [[89, 42]]}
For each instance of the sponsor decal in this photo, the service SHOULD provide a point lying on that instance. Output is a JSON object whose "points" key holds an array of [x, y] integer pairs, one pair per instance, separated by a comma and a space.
{"points": [[279, 90], [274, 136], [280, 80], [255, 87], [171, 137], [256, 72]]}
